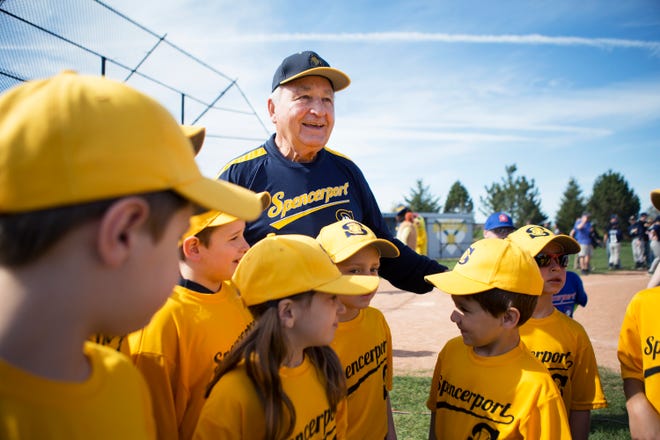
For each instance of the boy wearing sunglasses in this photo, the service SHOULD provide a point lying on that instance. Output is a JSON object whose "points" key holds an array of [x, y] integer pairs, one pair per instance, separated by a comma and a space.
{"points": [[559, 342]]}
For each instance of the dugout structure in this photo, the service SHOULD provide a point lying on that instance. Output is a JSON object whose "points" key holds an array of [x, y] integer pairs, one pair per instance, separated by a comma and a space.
{"points": [[448, 235]]}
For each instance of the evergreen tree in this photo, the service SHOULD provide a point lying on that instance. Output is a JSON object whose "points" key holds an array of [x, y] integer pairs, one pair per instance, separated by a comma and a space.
{"points": [[515, 195], [571, 207], [421, 199], [612, 195], [458, 200]]}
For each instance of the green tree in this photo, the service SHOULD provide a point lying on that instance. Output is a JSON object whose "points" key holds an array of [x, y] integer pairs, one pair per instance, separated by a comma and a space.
{"points": [[421, 199], [611, 194], [515, 195], [458, 200], [571, 207]]}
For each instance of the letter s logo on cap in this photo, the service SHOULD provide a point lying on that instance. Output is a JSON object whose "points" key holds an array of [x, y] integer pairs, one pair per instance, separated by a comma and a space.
{"points": [[466, 255]]}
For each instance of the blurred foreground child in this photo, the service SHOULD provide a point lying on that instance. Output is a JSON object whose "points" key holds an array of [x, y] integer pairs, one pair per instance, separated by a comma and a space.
{"points": [[96, 185]]}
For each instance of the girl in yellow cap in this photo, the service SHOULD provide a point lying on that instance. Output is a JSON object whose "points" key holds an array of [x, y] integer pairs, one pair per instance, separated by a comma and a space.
{"points": [[282, 380]]}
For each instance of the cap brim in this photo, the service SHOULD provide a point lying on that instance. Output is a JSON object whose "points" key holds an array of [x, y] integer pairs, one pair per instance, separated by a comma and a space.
{"points": [[567, 243], [386, 248], [454, 283], [350, 285], [338, 78], [655, 198], [223, 196], [196, 135]]}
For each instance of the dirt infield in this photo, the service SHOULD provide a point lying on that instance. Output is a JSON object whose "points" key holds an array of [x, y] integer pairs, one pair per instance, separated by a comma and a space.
{"points": [[420, 323]]}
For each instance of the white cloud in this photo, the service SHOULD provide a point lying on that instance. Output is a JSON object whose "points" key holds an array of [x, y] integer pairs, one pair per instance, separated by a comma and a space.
{"points": [[420, 37]]}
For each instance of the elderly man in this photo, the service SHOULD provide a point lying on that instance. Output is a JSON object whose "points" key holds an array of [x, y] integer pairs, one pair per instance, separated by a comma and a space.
{"points": [[312, 186]]}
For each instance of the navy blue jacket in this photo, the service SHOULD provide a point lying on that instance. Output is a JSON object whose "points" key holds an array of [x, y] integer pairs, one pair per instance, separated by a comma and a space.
{"points": [[309, 196]]}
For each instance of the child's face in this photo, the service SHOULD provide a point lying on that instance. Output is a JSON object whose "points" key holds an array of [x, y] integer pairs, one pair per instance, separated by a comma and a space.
{"points": [[157, 272], [317, 321], [364, 262], [554, 275], [226, 248], [479, 328]]}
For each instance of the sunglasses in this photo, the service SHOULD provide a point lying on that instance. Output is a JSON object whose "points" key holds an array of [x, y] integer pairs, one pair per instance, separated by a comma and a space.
{"points": [[543, 260]]}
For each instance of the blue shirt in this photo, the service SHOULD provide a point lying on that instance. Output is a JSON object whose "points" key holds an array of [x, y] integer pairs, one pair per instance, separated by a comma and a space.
{"points": [[572, 294], [309, 196], [582, 235]]}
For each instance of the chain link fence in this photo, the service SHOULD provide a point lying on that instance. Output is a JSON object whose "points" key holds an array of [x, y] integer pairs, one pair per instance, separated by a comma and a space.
{"points": [[39, 38]]}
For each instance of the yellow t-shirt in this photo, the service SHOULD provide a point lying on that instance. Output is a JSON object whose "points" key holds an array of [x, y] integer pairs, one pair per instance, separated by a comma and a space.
{"points": [[639, 343], [235, 411], [505, 397], [364, 346], [176, 350], [420, 225], [112, 404], [563, 346]]}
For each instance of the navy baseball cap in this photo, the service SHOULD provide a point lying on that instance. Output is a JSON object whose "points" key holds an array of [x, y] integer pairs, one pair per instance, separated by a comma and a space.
{"points": [[401, 210], [498, 220], [309, 63]]}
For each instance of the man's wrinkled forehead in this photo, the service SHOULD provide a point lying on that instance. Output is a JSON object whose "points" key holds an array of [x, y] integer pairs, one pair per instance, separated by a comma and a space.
{"points": [[308, 83]]}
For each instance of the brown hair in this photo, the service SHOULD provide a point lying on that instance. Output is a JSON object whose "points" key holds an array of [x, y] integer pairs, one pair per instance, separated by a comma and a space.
{"points": [[264, 350], [24, 237], [498, 301]]}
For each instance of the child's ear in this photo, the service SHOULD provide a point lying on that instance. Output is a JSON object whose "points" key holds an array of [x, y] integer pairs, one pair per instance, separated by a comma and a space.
{"points": [[511, 317], [119, 227], [190, 247], [286, 312]]}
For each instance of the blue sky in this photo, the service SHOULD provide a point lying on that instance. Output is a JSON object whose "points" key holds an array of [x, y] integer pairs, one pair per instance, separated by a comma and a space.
{"points": [[445, 91]]}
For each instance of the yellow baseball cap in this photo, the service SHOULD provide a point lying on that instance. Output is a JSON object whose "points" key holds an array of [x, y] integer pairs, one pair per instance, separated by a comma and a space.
{"points": [[534, 238], [212, 218], [488, 264], [74, 139], [344, 238], [196, 135], [655, 198], [279, 266]]}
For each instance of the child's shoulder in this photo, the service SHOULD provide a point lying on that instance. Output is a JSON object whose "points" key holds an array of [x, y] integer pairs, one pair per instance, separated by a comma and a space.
{"points": [[110, 365], [647, 295], [373, 313]]}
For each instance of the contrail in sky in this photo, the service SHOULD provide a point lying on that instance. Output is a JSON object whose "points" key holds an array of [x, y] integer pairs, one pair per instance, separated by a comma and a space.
{"points": [[411, 37]]}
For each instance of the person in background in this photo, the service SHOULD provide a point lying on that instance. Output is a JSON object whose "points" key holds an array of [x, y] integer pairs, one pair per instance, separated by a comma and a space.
{"points": [[363, 340], [498, 225], [559, 342], [312, 185], [98, 184], [583, 235], [638, 356], [406, 232], [654, 244], [571, 295], [637, 232], [422, 241], [612, 238]]}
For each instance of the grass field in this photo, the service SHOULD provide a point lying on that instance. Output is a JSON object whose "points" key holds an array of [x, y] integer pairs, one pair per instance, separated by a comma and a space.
{"points": [[411, 417], [599, 260], [409, 393]]}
